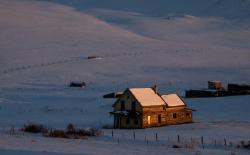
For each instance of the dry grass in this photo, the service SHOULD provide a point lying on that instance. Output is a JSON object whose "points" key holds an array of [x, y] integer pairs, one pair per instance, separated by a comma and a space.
{"points": [[72, 132]]}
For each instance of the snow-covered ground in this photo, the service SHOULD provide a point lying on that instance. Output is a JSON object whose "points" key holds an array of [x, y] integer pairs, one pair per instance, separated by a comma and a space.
{"points": [[177, 45]]}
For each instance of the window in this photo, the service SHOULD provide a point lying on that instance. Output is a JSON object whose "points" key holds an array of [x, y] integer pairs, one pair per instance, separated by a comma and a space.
{"points": [[127, 120], [149, 120], [164, 108], [159, 118], [122, 105], [133, 106], [174, 115], [188, 115]]}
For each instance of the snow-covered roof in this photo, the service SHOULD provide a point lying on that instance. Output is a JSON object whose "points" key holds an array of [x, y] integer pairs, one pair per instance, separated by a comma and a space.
{"points": [[147, 96], [173, 100]]}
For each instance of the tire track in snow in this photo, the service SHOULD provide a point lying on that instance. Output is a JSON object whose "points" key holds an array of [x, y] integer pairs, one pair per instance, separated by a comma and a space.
{"points": [[28, 67], [63, 61]]}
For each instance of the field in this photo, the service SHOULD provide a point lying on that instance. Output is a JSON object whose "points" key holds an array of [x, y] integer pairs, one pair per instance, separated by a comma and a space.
{"points": [[44, 45]]}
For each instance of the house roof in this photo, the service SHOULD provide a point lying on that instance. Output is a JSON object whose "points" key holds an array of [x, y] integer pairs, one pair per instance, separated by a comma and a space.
{"points": [[173, 100], [147, 96]]}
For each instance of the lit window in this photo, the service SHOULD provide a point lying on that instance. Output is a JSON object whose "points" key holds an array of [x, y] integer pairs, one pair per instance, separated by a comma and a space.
{"points": [[149, 120]]}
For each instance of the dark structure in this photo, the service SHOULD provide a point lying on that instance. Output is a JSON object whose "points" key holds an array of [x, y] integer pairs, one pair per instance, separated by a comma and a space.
{"points": [[113, 95], [94, 57], [238, 88], [215, 85], [77, 84], [215, 89]]}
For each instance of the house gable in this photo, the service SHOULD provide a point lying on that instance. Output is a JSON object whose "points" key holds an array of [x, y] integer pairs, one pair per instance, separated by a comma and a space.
{"points": [[129, 101]]}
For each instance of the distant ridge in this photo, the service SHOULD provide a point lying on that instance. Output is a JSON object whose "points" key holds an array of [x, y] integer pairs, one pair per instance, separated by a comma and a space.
{"points": [[221, 8]]}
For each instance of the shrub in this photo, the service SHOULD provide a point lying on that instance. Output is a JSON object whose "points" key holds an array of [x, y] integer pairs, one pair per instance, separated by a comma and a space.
{"points": [[73, 133], [88, 132], [57, 134], [35, 128], [70, 127], [176, 146]]}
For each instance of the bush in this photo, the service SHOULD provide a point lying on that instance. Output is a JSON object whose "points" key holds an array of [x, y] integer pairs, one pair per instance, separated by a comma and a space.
{"points": [[73, 133], [35, 128], [70, 127], [58, 134], [243, 144], [70, 132], [176, 146], [88, 132]]}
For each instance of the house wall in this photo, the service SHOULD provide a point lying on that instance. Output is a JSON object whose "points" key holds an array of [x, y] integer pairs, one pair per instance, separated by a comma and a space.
{"points": [[182, 116], [122, 121], [167, 116], [150, 116]]}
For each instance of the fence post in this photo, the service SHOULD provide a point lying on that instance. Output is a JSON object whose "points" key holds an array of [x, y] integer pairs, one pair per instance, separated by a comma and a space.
{"points": [[12, 130], [156, 137], [134, 134], [202, 142], [178, 138], [112, 134], [225, 142]]}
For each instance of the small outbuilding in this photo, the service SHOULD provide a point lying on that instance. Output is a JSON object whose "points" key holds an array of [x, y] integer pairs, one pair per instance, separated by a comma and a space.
{"points": [[145, 107], [77, 84]]}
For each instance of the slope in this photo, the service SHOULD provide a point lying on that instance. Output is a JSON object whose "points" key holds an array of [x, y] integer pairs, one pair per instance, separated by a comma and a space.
{"points": [[223, 8]]}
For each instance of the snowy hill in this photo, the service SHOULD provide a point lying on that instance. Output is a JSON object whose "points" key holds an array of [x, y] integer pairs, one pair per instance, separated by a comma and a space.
{"points": [[176, 44], [57, 35], [222, 8]]}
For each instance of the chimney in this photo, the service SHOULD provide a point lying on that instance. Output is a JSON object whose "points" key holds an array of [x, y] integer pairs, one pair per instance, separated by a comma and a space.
{"points": [[155, 89]]}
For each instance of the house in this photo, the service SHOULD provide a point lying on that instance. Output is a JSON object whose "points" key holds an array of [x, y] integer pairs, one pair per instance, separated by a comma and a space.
{"points": [[145, 107]]}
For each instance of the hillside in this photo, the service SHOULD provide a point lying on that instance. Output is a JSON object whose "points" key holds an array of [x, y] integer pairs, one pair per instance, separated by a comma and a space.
{"points": [[176, 44], [231, 9], [59, 38]]}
